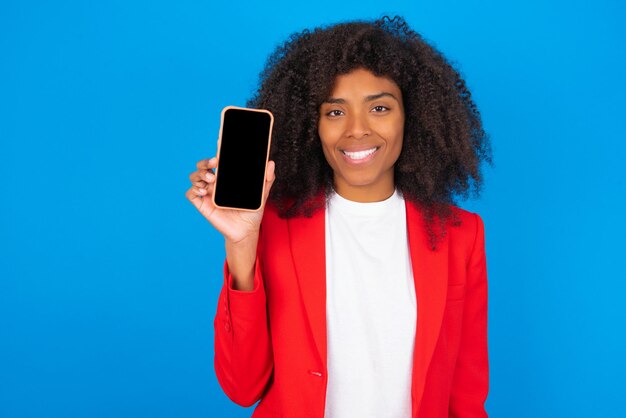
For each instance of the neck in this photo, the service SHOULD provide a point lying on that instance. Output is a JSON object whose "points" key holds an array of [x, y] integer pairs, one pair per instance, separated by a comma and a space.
{"points": [[365, 194]]}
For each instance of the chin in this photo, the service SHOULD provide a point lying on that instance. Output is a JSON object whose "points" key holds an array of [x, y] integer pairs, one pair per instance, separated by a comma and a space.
{"points": [[359, 182]]}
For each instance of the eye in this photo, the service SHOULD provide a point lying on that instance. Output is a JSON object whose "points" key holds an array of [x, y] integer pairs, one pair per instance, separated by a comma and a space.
{"points": [[380, 108], [334, 113]]}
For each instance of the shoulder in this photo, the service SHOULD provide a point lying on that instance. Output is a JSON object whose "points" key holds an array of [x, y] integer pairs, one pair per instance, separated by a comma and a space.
{"points": [[460, 227], [313, 208], [466, 230], [460, 220], [468, 219], [271, 217], [273, 221]]}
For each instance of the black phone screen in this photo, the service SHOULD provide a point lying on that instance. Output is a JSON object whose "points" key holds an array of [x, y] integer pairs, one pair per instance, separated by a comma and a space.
{"points": [[245, 138]]}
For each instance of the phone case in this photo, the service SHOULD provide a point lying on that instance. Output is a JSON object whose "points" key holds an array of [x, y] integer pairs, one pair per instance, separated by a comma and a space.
{"points": [[219, 143]]}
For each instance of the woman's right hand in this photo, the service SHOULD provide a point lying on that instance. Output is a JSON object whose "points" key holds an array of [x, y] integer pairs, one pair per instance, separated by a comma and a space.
{"points": [[235, 225]]}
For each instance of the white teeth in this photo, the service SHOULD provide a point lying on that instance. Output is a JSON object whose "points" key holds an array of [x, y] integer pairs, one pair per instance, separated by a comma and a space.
{"points": [[359, 155]]}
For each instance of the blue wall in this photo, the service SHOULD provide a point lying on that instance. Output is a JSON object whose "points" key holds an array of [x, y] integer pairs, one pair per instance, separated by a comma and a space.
{"points": [[109, 276]]}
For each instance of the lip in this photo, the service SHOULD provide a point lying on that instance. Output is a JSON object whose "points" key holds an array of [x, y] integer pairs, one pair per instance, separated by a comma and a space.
{"points": [[351, 161]]}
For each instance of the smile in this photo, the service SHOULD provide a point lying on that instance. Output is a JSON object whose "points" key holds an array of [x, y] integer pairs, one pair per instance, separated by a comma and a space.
{"points": [[360, 155]]}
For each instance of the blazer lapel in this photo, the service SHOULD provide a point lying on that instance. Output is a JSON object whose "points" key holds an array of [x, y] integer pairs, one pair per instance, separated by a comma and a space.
{"points": [[430, 273], [308, 249]]}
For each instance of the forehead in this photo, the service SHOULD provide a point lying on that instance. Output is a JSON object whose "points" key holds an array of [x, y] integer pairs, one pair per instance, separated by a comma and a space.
{"points": [[362, 82]]}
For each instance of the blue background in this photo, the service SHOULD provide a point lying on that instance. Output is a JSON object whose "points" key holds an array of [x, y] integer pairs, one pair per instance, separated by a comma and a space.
{"points": [[109, 276]]}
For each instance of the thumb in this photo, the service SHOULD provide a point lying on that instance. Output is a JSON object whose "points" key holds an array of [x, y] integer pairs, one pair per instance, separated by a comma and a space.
{"points": [[270, 176]]}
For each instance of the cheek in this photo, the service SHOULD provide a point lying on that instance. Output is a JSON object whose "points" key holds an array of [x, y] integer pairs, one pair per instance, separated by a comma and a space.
{"points": [[398, 137], [395, 138], [392, 130], [395, 153], [399, 141], [327, 136], [395, 150], [328, 154]]}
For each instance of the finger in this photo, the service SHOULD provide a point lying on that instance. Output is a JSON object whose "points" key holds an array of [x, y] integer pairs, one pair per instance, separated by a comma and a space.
{"points": [[269, 179], [207, 188], [208, 164], [270, 174], [197, 195], [200, 191], [195, 176], [202, 175], [194, 197], [203, 164]]}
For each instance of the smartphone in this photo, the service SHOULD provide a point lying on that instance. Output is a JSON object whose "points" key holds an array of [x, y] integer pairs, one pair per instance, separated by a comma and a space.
{"points": [[243, 152]]}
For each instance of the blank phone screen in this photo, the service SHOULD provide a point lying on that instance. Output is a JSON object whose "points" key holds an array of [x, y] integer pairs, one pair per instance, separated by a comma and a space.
{"points": [[242, 158]]}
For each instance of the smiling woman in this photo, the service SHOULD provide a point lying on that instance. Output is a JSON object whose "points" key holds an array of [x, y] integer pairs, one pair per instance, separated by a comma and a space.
{"points": [[443, 145], [361, 129], [359, 289]]}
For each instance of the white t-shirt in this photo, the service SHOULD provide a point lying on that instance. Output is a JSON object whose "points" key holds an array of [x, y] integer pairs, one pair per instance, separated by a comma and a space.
{"points": [[370, 309]]}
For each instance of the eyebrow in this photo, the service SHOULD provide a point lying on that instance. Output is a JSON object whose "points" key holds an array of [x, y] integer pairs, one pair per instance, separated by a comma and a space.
{"points": [[336, 100]]}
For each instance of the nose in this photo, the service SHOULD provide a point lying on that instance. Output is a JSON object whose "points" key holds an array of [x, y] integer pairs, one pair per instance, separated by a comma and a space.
{"points": [[358, 126]]}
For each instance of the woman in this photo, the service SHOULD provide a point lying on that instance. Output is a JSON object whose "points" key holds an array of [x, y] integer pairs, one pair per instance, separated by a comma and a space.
{"points": [[359, 290]]}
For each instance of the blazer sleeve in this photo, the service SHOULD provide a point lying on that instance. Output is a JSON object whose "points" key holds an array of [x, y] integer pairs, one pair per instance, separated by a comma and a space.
{"points": [[243, 352], [471, 377]]}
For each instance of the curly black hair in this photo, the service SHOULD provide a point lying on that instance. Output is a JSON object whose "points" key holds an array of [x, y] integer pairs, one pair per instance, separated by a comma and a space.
{"points": [[444, 142]]}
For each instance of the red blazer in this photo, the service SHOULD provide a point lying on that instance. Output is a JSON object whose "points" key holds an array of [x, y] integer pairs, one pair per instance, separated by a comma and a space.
{"points": [[270, 343]]}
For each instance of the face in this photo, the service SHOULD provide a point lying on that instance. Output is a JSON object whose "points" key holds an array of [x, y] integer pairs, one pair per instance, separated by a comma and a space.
{"points": [[361, 127]]}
